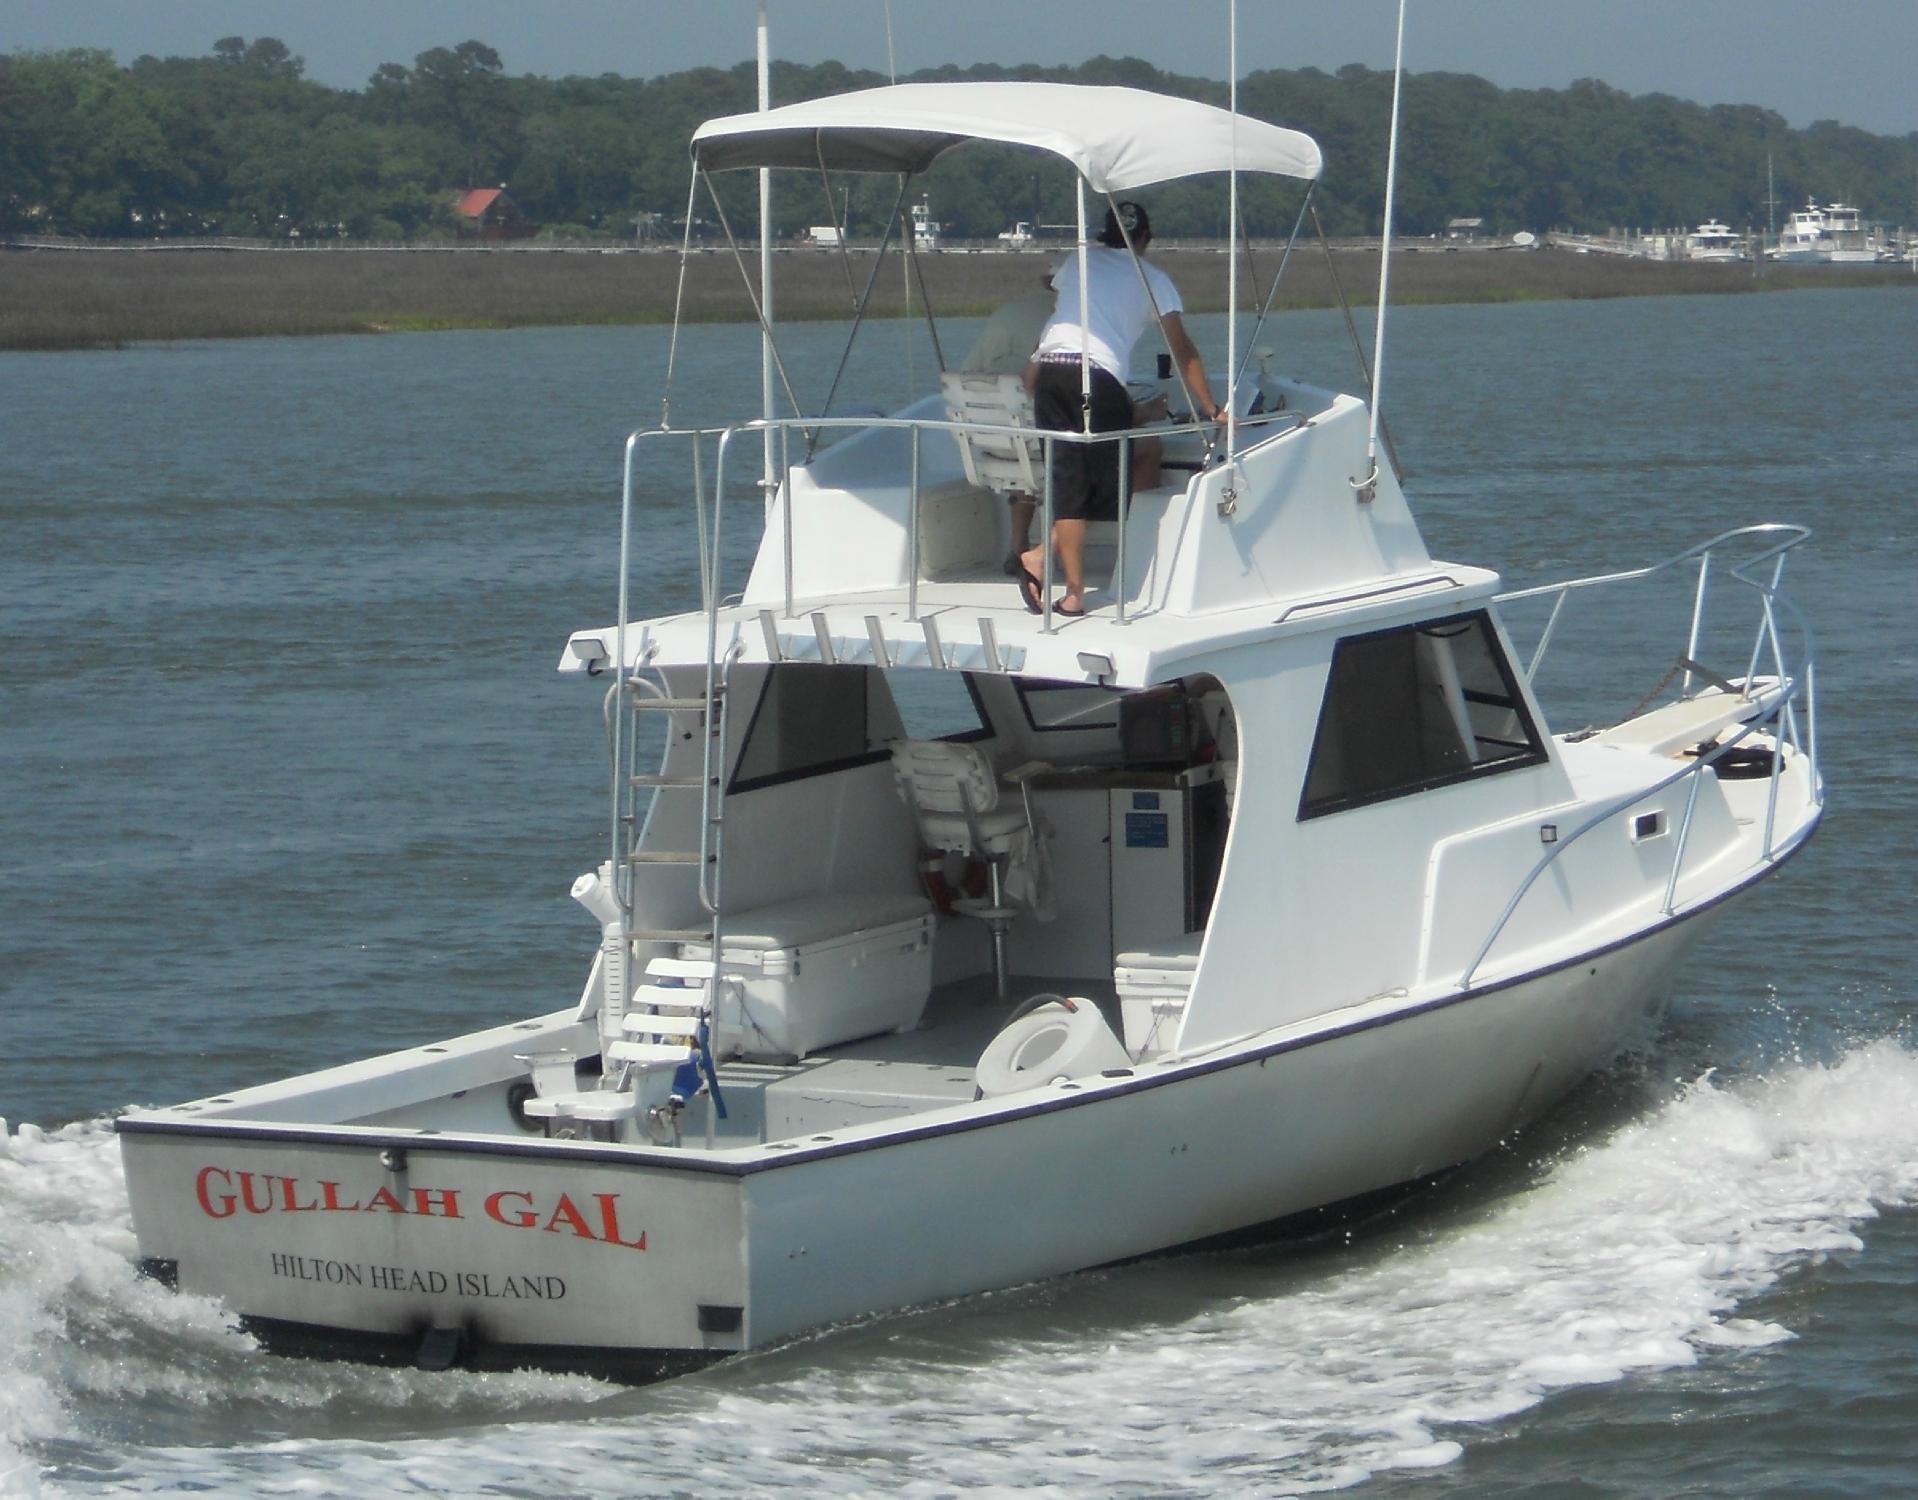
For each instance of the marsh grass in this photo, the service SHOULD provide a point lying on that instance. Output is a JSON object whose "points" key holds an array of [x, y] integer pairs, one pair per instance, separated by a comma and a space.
{"points": [[67, 299]]}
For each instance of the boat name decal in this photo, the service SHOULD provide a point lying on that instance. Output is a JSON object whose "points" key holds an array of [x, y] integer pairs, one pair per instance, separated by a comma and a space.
{"points": [[484, 1284], [222, 1194]]}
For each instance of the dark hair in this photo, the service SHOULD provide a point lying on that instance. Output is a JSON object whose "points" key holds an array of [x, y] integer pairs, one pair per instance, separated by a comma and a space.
{"points": [[1137, 224]]}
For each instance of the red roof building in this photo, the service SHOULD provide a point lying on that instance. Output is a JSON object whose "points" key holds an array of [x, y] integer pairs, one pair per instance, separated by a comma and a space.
{"points": [[488, 214]]}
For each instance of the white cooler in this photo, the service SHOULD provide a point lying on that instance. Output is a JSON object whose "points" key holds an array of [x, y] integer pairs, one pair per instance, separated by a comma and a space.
{"points": [[1153, 987], [820, 970]]}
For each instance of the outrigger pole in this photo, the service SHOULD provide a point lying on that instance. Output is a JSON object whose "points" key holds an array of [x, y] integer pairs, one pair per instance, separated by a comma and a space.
{"points": [[769, 479], [1365, 486], [1231, 237]]}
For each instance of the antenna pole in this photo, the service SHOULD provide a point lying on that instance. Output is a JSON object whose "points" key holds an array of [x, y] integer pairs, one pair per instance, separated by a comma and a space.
{"points": [[769, 476], [1771, 207], [1385, 254], [1231, 241]]}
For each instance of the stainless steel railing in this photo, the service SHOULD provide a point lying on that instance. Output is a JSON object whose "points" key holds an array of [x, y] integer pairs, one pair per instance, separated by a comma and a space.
{"points": [[709, 498], [1790, 686]]}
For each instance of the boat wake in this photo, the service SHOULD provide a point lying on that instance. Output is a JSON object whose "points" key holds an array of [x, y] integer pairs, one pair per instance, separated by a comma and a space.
{"points": [[104, 1374], [1647, 1245]]}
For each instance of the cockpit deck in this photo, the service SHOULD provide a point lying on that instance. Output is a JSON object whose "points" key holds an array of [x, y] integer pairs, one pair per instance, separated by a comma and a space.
{"points": [[887, 1077]]}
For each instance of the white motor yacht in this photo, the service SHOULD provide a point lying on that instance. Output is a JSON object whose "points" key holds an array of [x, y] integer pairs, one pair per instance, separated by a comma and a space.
{"points": [[942, 946], [1831, 235], [1714, 242]]}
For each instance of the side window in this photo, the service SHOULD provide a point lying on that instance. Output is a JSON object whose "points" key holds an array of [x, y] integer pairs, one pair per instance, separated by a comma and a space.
{"points": [[810, 718], [1069, 705], [936, 705], [1413, 708]]}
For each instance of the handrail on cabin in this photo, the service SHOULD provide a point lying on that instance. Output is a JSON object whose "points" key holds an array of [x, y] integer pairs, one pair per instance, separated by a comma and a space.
{"points": [[1789, 686], [710, 552], [1793, 535]]}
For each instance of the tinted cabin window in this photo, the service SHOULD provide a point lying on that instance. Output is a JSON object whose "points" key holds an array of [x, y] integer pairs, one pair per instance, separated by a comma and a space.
{"points": [[936, 705], [1413, 708], [1069, 705], [810, 719]]}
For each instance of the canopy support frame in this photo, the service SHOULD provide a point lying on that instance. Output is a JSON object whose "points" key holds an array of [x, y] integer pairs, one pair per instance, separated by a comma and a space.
{"points": [[1158, 319], [745, 277], [859, 311], [1285, 259]]}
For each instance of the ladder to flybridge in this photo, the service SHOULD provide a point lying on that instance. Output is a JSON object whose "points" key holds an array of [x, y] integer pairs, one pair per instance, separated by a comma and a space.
{"points": [[670, 1016]]}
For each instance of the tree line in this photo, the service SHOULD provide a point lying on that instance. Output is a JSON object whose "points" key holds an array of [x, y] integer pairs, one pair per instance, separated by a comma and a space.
{"points": [[241, 142]]}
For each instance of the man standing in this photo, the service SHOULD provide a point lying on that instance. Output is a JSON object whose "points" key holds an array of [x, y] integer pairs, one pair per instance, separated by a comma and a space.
{"points": [[1102, 329]]}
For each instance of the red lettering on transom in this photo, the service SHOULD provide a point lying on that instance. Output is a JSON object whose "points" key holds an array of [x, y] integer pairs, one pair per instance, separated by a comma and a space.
{"points": [[222, 1192], [441, 1202], [207, 1201], [609, 1222], [246, 1195], [523, 1218], [565, 1212]]}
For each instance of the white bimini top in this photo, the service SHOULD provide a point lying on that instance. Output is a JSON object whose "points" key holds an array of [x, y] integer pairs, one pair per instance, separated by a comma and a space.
{"points": [[1117, 138]]}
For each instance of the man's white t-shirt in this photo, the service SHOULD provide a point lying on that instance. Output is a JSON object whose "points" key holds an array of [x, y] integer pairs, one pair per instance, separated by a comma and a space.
{"points": [[1119, 309]]}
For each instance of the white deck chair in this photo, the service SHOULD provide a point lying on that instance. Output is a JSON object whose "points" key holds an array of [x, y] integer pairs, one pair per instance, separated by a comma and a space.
{"points": [[952, 790], [994, 461]]}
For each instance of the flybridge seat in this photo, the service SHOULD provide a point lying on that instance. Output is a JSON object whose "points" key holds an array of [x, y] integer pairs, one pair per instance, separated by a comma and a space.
{"points": [[994, 461], [997, 461], [1001, 462]]}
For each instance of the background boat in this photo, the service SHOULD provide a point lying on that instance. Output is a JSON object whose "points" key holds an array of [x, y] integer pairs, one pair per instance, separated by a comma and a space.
{"points": [[1830, 235]]}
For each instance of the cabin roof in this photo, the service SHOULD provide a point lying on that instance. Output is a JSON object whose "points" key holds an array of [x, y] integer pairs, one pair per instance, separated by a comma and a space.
{"points": [[981, 627]]}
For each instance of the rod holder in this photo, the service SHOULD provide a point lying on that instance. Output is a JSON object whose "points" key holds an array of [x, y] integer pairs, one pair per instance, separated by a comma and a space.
{"points": [[989, 639]]}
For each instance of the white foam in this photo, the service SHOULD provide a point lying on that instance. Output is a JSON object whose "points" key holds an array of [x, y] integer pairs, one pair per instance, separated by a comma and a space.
{"points": [[1253, 1373], [82, 1333]]}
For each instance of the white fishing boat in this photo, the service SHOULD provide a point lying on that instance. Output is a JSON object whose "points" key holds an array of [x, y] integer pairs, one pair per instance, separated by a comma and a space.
{"points": [[1831, 235], [1713, 241], [941, 946]]}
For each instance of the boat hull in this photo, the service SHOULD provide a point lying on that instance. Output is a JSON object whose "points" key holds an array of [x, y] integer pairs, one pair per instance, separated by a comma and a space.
{"points": [[571, 1256], [1249, 1139]]}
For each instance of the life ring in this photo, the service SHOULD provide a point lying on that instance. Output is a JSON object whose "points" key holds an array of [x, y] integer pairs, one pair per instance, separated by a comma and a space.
{"points": [[1745, 763], [1048, 1039]]}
